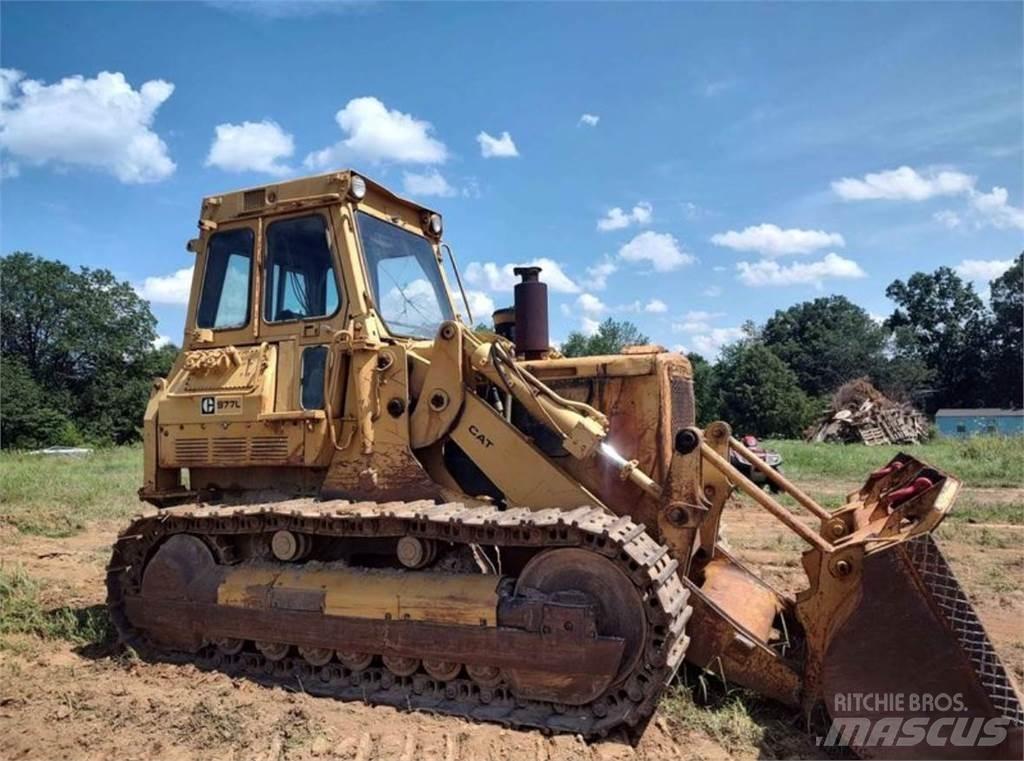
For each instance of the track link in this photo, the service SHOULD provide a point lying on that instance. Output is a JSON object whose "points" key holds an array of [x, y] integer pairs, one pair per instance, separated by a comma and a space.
{"points": [[648, 565]]}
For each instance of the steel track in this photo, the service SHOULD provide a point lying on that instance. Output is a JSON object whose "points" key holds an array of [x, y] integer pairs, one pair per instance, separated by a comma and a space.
{"points": [[630, 702]]}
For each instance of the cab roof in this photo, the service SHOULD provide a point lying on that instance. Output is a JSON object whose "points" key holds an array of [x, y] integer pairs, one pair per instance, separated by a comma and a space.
{"points": [[290, 195]]}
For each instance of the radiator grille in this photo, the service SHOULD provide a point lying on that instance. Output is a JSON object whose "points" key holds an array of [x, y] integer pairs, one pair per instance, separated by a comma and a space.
{"points": [[191, 450], [239, 450], [268, 448], [227, 451]]}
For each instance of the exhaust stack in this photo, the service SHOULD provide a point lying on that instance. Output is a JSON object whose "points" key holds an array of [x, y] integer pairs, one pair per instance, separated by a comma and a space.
{"points": [[531, 314]]}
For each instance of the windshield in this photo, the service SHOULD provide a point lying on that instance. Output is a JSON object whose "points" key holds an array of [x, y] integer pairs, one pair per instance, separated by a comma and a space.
{"points": [[405, 278]]}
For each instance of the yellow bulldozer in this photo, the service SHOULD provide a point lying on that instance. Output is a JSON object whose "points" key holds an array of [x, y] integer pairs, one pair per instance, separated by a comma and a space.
{"points": [[352, 488]]}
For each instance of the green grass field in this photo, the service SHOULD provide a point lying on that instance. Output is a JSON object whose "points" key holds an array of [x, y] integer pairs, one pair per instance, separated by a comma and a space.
{"points": [[985, 461], [58, 496]]}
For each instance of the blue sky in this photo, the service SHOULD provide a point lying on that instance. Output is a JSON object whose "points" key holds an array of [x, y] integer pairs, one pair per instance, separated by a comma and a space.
{"points": [[684, 166]]}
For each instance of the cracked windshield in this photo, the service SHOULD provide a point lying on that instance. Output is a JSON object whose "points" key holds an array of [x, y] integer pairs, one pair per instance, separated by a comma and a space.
{"points": [[406, 279]]}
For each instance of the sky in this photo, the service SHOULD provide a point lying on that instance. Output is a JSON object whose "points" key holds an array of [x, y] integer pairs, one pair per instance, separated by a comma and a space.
{"points": [[687, 167]]}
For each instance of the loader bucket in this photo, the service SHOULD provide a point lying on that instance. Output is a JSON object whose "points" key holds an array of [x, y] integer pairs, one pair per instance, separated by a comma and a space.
{"points": [[911, 672], [883, 636]]}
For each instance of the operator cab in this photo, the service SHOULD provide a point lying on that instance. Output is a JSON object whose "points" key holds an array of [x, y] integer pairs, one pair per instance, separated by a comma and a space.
{"points": [[306, 256], [298, 287]]}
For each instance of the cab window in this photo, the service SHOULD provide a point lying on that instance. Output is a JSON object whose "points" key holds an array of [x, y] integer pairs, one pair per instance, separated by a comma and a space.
{"points": [[405, 278], [226, 283], [300, 282]]}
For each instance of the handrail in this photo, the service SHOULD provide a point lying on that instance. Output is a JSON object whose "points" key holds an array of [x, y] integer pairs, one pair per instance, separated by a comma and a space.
{"points": [[723, 466], [458, 279], [780, 480]]}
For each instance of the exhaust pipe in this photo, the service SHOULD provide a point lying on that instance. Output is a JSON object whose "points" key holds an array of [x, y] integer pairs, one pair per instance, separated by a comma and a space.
{"points": [[531, 314]]}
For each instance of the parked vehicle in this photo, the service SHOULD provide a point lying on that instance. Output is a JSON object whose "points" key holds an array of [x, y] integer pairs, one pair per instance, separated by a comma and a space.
{"points": [[774, 459]]}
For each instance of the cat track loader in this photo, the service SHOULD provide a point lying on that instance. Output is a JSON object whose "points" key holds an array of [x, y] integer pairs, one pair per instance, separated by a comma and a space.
{"points": [[351, 489]]}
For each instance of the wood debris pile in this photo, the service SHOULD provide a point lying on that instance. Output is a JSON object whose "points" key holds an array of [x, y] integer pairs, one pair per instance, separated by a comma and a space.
{"points": [[859, 412]]}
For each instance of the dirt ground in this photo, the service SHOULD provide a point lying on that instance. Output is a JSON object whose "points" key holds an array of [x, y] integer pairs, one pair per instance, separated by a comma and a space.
{"points": [[58, 700]]}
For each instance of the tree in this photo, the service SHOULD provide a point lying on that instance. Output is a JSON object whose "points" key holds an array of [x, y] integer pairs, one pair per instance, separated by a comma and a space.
{"points": [[29, 418], [1006, 344], [826, 342], [705, 389], [946, 326], [610, 338], [84, 340], [759, 393], [904, 375]]}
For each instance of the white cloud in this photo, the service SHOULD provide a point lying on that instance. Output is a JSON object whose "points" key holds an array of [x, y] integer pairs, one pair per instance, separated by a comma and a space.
{"points": [[100, 123], [768, 272], [167, 289], [996, 210], [948, 218], [717, 87], [710, 343], [982, 270], [714, 291], [8, 170], [480, 304], [471, 188], [161, 341], [655, 306], [251, 147], [429, 183], [702, 336], [589, 326], [617, 219], [497, 147], [590, 304], [501, 278], [660, 249], [692, 211], [377, 134], [903, 184], [696, 321], [589, 120], [703, 314], [771, 240], [598, 274], [691, 326]]}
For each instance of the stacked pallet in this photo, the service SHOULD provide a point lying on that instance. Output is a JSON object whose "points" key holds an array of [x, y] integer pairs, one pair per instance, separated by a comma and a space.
{"points": [[859, 412]]}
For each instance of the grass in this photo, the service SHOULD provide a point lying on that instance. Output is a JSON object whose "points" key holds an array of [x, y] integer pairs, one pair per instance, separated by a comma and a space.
{"points": [[969, 510], [743, 723], [982, 461], [729, 723], [22, 612], [209, 725], [58, 496]]}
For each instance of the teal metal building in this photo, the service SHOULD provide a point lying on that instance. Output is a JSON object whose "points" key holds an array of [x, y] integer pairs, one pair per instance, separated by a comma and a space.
{"points": [[982, 421]]}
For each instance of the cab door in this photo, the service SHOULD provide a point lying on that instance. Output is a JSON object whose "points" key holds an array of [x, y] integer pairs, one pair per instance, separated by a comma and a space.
{"points": [[302, 306]]}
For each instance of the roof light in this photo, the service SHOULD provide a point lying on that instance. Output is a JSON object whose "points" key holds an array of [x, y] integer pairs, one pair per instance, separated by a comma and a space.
{"points": [[357, 187], [435, 225]]}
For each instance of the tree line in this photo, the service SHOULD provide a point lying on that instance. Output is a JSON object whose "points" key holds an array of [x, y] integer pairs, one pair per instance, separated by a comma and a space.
{"points": [[77, 354], [942, 346]]}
